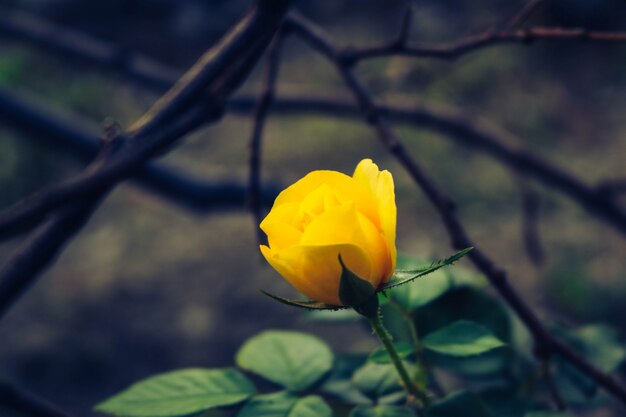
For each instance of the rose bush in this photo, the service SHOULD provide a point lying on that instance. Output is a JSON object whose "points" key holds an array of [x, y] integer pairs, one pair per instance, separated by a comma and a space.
{"points": [[326, 214]]}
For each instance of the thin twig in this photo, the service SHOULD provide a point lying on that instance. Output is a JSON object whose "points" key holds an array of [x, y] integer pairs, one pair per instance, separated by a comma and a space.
{"points": [[50, 35], [70, 135], [531, 205], [472, 134], [546, 375], [258, 124], [459, 128], [522, 15], [471, 44], [156, 75], [544, 341], [219, 71]]}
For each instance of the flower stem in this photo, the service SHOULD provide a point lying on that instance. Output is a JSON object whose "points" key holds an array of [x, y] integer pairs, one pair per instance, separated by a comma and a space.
{"points": [[385, 339]]}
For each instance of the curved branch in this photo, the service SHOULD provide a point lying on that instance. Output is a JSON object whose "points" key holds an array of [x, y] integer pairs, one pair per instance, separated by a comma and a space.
{"points": [[259, 119], [479, 42], [544, 341], [219, 72], [473, 135], [72, 135]]}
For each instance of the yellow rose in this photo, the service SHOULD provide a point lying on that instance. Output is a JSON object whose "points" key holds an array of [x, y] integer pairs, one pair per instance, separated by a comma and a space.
{"points": [[326, 214]]}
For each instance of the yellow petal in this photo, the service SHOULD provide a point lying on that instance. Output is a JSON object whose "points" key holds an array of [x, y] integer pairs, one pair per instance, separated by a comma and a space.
{"points": [[285, 213], [345, 225], [380, 183], [315, 270], [281, 235], [343, 185]]}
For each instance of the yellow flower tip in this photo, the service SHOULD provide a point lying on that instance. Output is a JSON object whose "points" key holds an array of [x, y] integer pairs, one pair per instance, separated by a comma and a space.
{"points": [[327, 213]]}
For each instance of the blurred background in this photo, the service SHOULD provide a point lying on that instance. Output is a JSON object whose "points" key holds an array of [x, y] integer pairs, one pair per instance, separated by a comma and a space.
{"points": [[150, 286]]}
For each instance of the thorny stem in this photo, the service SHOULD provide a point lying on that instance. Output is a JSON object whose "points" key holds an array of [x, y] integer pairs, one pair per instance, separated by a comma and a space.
{"points": [[415, 340], [385, 339]]}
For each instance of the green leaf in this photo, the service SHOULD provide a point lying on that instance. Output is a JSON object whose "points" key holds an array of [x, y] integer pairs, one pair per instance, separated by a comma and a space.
{"points": [[308, 304], [601, 345], [423, 291], [465, 302], [460, 404], [380, 382], [180, 393], [381, 356], [382, 411], [339, 386], [403, 277], [283, 404], [291, 359], [462, 338]]}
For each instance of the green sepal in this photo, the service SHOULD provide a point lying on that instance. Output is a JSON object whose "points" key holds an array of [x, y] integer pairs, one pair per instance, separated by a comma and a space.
{"points": [[308, 304], [357, 293], [401, 277]]}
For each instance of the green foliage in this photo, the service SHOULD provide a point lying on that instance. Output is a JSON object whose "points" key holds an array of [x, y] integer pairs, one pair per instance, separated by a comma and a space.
{"points": [[284, 404], [459, 404], [446, 324], [379, 382], [598, 343], [382, 411], [462, 338], [291, 359], [401, 277], [381, 356], [180, 393]]}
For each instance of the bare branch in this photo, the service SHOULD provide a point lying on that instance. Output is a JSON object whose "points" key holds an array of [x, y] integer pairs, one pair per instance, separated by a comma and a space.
{"points": [[544, 341], [221, 74], [74, 136], [219, 71], [24, 265], [530, 222], [479, 42], [258, 124], [472, 134], [546, 374], [456, 127], [41, 32]]}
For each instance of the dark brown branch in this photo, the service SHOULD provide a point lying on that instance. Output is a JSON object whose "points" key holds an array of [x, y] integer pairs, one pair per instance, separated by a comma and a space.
{"points": [[485, 40], [547, 376], [545, 343], [473, 135], [462, 129], [41, 249], [531, 205], [74, 136], [41, 32], [153, 74], [258, 123], [26, 403], [612, 188], [219, 72]]}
